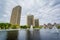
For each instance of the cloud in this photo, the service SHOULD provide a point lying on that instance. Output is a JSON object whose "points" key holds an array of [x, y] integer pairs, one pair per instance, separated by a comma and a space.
{"points": [[48, 11]]}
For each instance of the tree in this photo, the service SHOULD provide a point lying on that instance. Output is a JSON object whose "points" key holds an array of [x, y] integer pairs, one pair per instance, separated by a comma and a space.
{"points": [[58, 27]]}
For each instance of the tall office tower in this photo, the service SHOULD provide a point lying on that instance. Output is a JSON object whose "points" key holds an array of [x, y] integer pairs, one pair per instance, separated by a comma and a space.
{"points": [[16, 15], [36, 22], [30, 20]]}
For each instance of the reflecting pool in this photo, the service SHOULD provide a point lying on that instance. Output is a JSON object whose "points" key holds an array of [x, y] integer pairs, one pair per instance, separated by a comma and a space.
{"points": [[26, 34]]}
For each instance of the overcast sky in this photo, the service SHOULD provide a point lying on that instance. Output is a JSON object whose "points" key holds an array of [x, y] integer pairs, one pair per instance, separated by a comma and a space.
{"points": [[48, 11]]}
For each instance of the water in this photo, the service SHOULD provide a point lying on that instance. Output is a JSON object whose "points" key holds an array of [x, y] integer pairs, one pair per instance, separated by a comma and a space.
{"points": [[50, 34], [3, 35], [22, 34], [26, 34]]}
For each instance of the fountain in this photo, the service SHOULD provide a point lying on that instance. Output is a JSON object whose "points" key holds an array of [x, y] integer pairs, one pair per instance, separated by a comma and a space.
{"points": [[45, 29], [54, 29], [31, 28]]}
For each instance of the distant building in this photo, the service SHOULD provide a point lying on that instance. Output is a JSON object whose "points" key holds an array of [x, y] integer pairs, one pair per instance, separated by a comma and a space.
{"points": [[16, 15], [55, 24], [45, 26], [49, 25], [30, 20], [36, 22]]}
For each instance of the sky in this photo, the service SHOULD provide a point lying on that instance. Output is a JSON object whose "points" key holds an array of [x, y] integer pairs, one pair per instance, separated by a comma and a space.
{"points": [[47, 11]]}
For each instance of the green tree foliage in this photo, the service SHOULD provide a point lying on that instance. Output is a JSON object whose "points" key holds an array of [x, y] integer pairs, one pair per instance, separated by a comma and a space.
{"points": [[16, 26], [37, 27], [5, 25], [58, 27], [23, 26]]}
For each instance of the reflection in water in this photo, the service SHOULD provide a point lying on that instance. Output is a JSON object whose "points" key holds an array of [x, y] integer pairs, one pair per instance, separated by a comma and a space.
{"points": [[36, 34], [12, 35], [25, 34], [33, 35], [29, 35], [22, 34]]}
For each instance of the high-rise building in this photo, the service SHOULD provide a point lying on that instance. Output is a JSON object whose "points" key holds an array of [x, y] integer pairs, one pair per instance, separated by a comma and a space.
{"points": [[36, 22], [30, 20], [16, 15]]}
